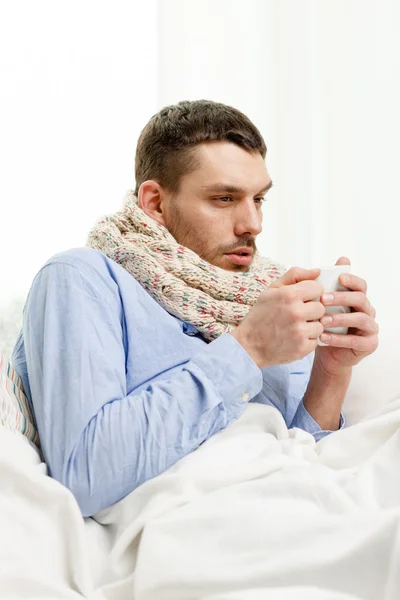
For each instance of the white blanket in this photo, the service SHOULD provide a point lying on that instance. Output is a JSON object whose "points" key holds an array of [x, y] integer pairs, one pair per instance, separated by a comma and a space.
{"points": [[256, 512]]}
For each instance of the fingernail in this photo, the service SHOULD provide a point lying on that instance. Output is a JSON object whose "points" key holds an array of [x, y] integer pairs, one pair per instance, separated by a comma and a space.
{"points": [[326, 320], [327, 298], [324, 337], [345, 278]]}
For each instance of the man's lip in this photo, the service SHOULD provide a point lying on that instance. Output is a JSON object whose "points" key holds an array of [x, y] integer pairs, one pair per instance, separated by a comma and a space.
{"points": [[242, 251], [238, 259]]}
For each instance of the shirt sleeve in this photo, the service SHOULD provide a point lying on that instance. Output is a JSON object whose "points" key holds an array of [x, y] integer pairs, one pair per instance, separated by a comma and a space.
{"points": [[303, 420], [98, 440], [284, 387]]}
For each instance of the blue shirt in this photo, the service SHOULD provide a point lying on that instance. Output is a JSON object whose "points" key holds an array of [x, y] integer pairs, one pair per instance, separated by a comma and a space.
{"points": [[121, 389]]}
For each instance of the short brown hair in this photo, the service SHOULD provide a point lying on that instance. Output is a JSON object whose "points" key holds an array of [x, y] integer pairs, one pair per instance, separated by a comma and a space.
{"points": [[166, 146]]}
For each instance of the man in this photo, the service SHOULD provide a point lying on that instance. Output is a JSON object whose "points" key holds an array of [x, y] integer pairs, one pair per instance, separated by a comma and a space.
{"points": [[136, 350]]}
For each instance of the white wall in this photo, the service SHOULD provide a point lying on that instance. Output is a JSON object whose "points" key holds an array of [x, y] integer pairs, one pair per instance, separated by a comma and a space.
{"points": [[320, 78], [78, 83]]}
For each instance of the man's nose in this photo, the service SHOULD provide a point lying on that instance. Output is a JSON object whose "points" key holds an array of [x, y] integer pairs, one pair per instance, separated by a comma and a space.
{"points": [[248, 219]]}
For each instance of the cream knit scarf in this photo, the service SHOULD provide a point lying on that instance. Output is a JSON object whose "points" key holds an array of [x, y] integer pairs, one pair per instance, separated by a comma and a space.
{"points": [[212, 299]]}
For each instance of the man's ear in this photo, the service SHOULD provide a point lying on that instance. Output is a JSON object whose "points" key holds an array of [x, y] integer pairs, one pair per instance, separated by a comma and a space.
{"points": [[151, 198]]}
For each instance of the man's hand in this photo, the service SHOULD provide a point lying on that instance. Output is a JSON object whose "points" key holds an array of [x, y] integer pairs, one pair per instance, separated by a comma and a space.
{"points": [[344, 351], [283, 325]]}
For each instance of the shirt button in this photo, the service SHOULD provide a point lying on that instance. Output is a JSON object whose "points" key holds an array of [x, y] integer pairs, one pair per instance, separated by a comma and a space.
{"points": [[245, 397]]}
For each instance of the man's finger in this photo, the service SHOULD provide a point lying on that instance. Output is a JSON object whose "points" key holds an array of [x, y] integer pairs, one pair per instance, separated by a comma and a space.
{"points": [[295, 275], [357, 320], [356, 300], [358, 343], [353, 282], [343, 260], [308, 290]]}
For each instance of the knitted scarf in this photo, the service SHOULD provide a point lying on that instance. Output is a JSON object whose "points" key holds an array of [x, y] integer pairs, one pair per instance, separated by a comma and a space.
{"points": [[213, 299]]}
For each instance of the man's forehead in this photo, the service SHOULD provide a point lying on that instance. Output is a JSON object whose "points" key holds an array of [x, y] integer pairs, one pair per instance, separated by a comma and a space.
{"points": [[227, 167], [212, 152]]}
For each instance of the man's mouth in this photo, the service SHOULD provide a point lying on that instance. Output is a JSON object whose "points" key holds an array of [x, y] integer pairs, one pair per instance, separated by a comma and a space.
{"points": [[240, 257]]}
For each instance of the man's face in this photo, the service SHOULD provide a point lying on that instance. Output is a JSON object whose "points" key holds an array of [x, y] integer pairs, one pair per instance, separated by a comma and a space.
{"points": [[218, 209]]}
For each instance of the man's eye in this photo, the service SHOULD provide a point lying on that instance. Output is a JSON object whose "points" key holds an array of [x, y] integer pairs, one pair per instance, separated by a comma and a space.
{"points": [[226, 199]]}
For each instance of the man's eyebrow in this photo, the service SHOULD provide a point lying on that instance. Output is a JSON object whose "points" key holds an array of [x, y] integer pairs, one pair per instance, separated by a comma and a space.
{"points": [[220, 188]]}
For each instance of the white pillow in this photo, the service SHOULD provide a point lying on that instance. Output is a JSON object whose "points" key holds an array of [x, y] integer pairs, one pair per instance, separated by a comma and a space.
{"points": [[376, 379], [15, 410], [10, 323]]}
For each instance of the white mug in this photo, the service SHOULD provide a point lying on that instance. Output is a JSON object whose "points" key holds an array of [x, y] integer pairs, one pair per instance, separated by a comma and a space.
{"points": [[329, 278]]}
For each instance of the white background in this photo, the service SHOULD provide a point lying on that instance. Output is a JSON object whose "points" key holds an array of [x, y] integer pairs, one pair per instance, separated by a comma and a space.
{"points": [[320, 78]]}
